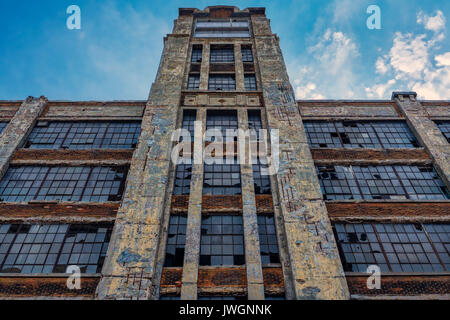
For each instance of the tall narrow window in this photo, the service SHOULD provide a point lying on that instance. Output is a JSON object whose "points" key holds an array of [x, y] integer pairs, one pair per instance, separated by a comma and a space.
{"points": [[193, 82], [255, 122], [247, 54], [261, 178], [51, 248], [183, 172], [176, 241], [268, 240], [197, 53], [222, 241], [250, 82]]}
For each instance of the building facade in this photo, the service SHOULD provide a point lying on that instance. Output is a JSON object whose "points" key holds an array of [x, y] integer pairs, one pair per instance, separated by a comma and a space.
{"points": [[93, 184]]}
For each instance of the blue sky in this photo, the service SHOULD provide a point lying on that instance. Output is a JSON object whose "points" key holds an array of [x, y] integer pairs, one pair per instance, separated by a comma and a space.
{"points": [[329, 51]]}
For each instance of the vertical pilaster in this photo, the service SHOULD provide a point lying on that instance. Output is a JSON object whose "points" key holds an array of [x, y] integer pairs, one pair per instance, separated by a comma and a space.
{"points": [[194, 224], [18, 129], [255, 283], [239, 67], [129, 269], [426, 131], [316, 268], [204, 71]]}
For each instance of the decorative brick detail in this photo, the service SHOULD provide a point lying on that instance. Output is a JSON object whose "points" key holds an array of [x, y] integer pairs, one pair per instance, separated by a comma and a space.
{"points": [[222, 204], [264, 203], [180, 204], [401, 285], [62, 212], [333, 156], [171, 277], [431, 211], [63, 156], [20, 287], [220, 277]]}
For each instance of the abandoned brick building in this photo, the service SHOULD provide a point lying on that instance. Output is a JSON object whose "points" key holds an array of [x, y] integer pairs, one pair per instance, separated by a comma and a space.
{"points": [[91, 184]]}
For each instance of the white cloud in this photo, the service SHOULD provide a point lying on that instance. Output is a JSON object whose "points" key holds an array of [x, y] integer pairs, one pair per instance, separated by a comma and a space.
{"points": [[330, 69], [436, 23], [414, 64]]}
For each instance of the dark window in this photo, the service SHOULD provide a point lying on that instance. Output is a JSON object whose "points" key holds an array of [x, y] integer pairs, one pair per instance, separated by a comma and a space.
{"points": [[222, 241], [183, 176], [176, 240], [3, 126], [255, 122], [223, 82], [247, 54], [394, 247], [36, 248], [250, 82], [261, 178], [84, 135], [221, 54], [194, 82], [197, 52], [381, 182], [189, 117], [86, 184], [444, 126], [222, 179], [222, 120], [352, 134], [268, 240], [222, 29]]}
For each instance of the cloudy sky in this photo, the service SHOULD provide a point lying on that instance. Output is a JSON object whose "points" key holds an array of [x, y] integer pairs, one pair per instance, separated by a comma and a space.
{"points": [[330, 52]]}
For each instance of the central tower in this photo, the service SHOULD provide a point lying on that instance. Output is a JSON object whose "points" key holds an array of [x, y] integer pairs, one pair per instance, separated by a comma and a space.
{"points": [[201, 231]]}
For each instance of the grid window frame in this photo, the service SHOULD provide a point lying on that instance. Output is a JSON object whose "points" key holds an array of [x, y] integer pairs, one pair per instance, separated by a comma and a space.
{"points": [[197, 53], [222, 240], [222, 54], [183, 176], [444, 127], [222, 82], [63, 183], [261, 179], [176, 241], [221, 120], [393, 247], [222, 179], [268, 240], [193, 82], [247, 53], [51, 248], [84, 135], [380, 134], [396, 182], [250, 82]]}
